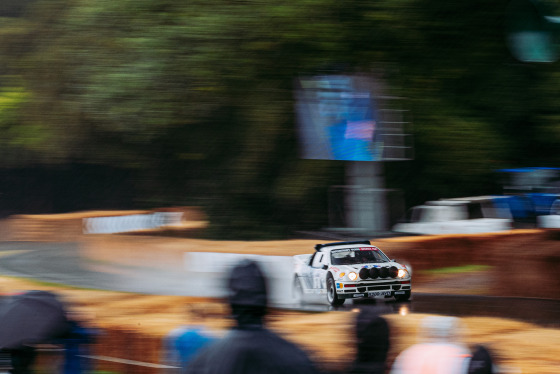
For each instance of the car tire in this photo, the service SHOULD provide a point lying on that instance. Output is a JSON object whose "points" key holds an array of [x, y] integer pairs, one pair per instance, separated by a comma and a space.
{"points": [[404, 297], [297, 292], [332, 297]]}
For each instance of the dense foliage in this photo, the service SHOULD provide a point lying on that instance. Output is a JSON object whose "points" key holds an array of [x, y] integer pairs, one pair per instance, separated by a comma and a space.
{"points": [[192, 103]]}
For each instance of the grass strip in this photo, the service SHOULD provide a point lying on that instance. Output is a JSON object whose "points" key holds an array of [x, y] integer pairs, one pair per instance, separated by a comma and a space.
{"points": [[456, 269]]}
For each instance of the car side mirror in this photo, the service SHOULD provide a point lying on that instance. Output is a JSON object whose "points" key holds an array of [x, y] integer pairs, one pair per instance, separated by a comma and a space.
{"points": [[325, 267]]}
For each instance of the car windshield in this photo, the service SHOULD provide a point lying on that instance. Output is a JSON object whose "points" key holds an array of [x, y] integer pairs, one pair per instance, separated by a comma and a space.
{"points": [[352, 256]]}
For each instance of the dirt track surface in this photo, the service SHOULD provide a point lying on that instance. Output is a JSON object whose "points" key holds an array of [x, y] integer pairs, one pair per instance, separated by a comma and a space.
{"points": [[142, 321]]}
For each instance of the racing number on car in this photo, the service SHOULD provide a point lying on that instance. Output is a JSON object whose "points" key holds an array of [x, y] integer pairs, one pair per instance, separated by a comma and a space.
{"points": [[316, 282], [318, 274], [319, 283]]}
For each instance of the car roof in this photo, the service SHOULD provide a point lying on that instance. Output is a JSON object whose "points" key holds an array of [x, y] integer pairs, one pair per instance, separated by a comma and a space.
{"points": [[327, 247]]}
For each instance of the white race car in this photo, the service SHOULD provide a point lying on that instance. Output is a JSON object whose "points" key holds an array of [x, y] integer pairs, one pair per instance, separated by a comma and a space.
{"points": [[349, 270]]}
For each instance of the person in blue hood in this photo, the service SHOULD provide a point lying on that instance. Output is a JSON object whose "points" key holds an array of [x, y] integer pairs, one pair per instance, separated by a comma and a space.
{"points": [[250, 348]]}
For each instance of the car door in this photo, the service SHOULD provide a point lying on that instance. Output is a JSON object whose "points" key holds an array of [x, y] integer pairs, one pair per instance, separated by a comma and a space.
{"points": [[319, 274], [305, 278]]}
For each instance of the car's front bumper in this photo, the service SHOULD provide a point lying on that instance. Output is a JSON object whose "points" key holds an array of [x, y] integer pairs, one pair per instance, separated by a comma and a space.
{"points": [[357, 290]]}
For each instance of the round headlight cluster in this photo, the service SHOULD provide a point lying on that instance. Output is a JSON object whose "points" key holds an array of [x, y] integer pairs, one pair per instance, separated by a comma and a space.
{"points": [[384, 272], [364, 273]]}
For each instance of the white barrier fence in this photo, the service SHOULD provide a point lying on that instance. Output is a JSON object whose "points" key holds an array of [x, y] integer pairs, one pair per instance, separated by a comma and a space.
{"points": [[208, 272], [129, 223]]}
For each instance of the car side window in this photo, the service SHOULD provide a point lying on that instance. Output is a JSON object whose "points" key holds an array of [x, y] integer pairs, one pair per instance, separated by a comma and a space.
{"points": [[312, 259], [318, 260]]}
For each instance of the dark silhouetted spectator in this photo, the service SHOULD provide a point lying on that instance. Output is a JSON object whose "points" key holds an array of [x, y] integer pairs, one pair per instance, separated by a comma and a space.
{"points": [[372, 339], [481, 361], [27, 320], [23, 360], [438, 352], [250, 347], [77, 347]]}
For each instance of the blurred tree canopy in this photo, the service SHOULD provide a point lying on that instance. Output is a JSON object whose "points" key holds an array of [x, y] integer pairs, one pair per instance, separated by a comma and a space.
{"points": [[193, 102]]}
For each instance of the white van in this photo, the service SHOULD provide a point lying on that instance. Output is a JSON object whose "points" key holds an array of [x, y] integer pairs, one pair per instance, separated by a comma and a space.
{"points": [[464, 215]]}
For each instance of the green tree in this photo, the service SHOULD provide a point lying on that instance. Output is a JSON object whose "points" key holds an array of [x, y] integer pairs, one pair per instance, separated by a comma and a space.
{"points": [[197, 98]]}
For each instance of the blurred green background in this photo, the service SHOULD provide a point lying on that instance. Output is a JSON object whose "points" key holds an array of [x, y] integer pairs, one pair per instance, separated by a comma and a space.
{"points": [[149, 103]]}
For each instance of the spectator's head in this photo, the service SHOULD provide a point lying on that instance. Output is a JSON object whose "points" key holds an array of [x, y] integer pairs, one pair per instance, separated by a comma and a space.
{"points": [[440, 329], [372, 333], [481, 361], [247, 293]]}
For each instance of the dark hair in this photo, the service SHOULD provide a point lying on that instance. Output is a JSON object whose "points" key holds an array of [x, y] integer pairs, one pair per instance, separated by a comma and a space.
{"points": [[247, 285], [481, 361], [247, 293], [372, 335]]}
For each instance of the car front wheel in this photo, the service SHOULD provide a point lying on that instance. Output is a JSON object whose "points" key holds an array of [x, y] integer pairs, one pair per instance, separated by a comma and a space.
{"points": [[332, 297]]}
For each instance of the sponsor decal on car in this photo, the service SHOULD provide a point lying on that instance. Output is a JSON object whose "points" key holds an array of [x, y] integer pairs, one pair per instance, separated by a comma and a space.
{"points": [[355, 249], [399, 292], [358, 295], [335, 269]]}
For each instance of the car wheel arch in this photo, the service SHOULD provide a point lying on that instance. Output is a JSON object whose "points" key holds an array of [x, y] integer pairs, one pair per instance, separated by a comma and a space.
{"points": [[332, 299]]}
